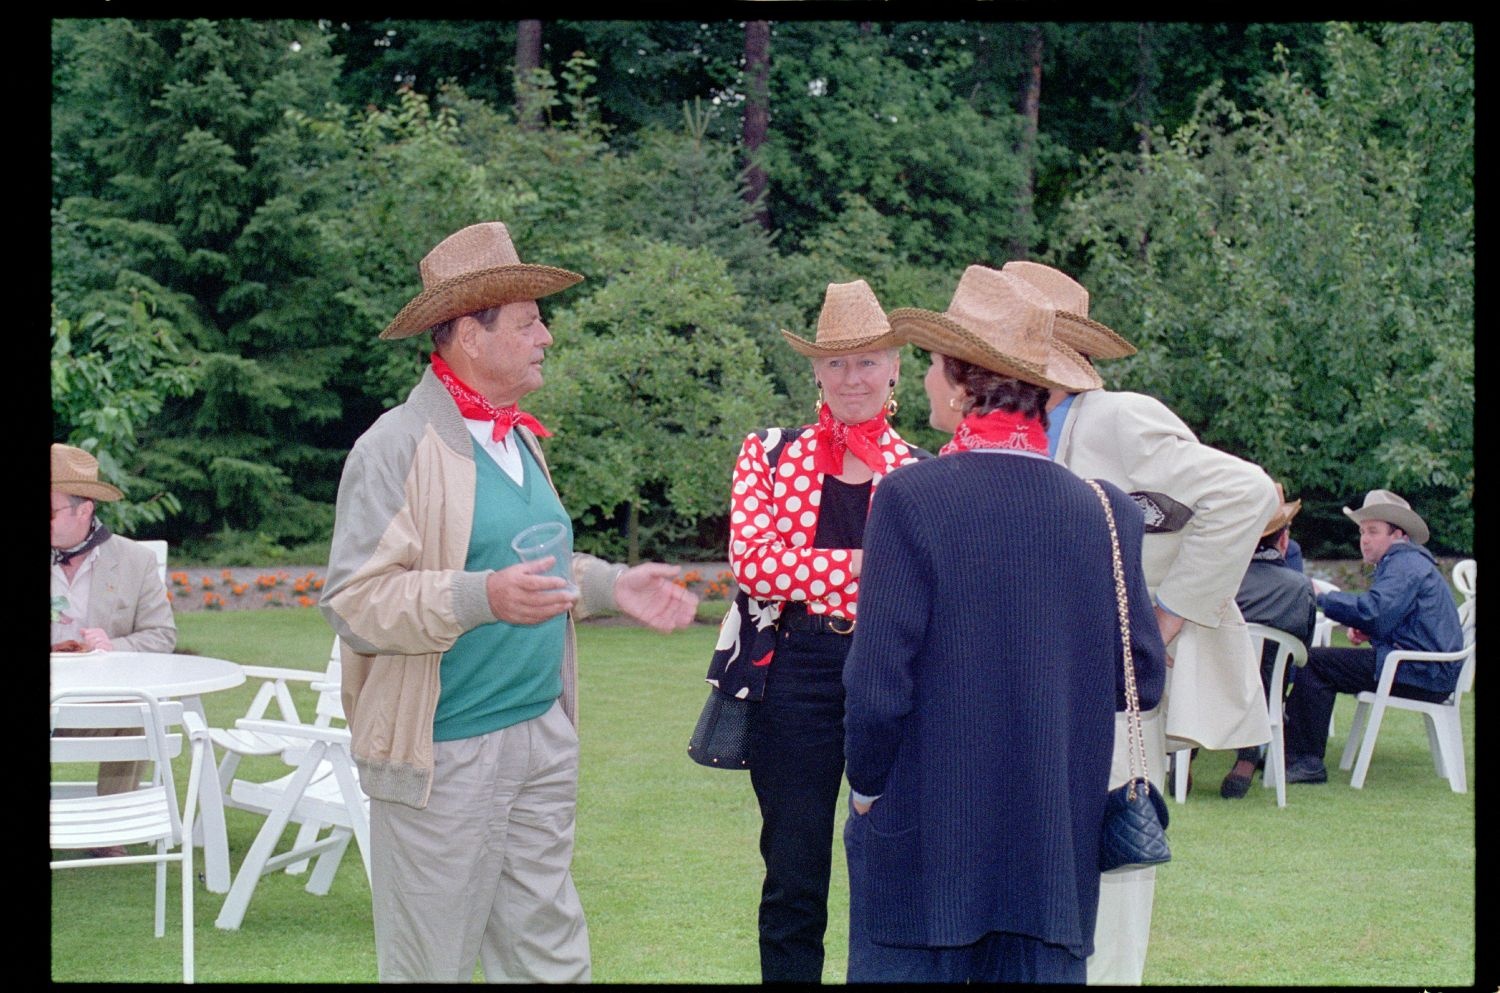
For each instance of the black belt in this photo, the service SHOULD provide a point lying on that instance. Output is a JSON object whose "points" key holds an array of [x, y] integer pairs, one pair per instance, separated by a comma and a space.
{"points": [[794, 617]]}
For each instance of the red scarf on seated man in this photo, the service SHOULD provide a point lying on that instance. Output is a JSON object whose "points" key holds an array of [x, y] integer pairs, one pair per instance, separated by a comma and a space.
{"points": [[475, 407], [998, 429]]}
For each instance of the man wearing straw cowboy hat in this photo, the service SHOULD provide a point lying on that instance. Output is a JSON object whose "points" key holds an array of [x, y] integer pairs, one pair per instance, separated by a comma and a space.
{"points": [[1205, 510], [116, 601], [106, 589], [1276, 594], [1408, 606], [459, 672]]}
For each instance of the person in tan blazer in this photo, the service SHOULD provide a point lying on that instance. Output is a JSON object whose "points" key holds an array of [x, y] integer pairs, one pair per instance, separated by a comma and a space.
{"points": [[1205, 511], [107, 593]]}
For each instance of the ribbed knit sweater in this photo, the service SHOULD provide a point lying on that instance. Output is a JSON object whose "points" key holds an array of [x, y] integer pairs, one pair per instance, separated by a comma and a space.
{"points": [[981, 689]]}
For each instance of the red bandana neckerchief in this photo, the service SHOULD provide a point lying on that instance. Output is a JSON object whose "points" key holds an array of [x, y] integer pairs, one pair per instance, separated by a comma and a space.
{"points": [[834, 437], [476, 407], [998, 429]]}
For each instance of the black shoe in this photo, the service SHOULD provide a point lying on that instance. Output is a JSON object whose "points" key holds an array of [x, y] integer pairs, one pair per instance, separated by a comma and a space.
{"points": [[1307, 769], [1233, 787]]}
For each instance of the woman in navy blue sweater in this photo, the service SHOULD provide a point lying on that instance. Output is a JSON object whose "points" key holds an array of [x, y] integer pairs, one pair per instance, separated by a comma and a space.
{"points": [[985, 673]]}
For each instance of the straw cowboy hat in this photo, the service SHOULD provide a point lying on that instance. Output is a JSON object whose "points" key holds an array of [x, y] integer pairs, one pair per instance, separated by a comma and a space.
{"points": [[1284, 513], [1383, 505], [1002, 323], [76, 472], [472, 270], [851, 321], [1073, 328]]}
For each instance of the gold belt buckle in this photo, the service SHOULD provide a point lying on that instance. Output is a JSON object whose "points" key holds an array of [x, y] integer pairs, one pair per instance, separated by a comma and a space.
{"points": [[833, 625]]}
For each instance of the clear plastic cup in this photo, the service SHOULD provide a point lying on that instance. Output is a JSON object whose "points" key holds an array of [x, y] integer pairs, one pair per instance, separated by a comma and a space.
{"points": [[542, 540]]}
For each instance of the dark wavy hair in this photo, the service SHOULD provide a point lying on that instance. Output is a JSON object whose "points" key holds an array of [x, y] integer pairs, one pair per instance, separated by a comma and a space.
{"points": [[986, 390], [443, 333]]}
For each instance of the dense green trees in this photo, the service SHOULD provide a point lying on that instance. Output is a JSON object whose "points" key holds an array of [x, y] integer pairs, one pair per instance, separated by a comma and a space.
{"points": [[1299, 276], [238, 208]]}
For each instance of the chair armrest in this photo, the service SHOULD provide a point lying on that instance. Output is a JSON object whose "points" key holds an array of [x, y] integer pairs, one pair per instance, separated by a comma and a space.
{"points": [[311, 732], [194, 724], [276, 672], [1396, 658]]}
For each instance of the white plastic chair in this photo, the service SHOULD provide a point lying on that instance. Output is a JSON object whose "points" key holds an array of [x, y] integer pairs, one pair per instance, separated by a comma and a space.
{"points": [[1464, 577], [321, 791], [160, 548], [81, 819], [1181, 760], [1323, 629], [1289, 650], [1323, 634], [275, 686], [1444, 719]]}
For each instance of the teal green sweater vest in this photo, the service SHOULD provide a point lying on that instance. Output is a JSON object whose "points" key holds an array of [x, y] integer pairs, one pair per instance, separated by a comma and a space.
{"points": [[500, 674]]}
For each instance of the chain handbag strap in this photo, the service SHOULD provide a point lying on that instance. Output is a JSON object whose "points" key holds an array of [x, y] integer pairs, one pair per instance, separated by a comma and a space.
{"points": [[1132, 699]]}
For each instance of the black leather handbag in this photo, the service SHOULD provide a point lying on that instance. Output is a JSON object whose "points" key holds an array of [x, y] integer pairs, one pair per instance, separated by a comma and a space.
{"points": [[721, 738], [1135, 815]]}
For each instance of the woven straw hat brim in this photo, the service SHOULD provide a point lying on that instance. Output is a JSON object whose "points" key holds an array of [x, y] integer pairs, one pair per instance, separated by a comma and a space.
{"points": [[935, 332], [91, 488], [1088, 336], [1282, 517], [476, 291], [1402, 517], [847, 347]]}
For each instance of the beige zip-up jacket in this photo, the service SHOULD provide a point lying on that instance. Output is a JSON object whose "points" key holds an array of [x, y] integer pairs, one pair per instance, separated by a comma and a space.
{"points": [[397, 592], [1214, 696]]}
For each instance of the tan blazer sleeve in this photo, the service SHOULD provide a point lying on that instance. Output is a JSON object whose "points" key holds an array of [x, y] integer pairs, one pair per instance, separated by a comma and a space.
{"points": [[127, 599]]}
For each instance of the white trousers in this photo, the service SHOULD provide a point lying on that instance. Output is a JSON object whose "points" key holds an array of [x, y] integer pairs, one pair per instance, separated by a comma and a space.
{"points": [[1125, 898], [483, 872]]}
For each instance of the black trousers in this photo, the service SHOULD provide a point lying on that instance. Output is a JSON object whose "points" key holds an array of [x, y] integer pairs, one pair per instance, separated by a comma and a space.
{"points": [[1329, 672], [796, 768]]}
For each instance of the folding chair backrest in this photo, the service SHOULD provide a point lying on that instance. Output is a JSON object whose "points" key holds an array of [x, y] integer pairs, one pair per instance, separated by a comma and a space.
{"points": [[159, 548], [124, 709], [330, 705]]}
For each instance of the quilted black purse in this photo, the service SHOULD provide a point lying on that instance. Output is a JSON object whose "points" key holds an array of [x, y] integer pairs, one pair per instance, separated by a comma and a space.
{"points": [[721, 738], [1135, 815]]}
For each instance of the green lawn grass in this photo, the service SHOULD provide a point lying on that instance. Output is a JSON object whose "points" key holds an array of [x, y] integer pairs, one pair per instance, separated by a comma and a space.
{"points": [[1342, 887]]}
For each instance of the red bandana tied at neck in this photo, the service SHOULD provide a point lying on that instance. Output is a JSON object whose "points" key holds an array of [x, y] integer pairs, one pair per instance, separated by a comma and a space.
{"points": [[998, 429], [477, 408], [834, 437]]}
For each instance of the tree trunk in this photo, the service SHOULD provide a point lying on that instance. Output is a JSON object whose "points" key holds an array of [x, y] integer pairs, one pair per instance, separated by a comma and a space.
{"points": [[1145, 90], [528, 57], [633, 534], [757, 113], [1031, 94], [1145, 82]]}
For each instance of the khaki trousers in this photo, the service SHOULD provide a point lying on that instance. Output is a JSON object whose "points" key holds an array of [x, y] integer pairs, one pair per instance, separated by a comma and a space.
{"points": [[1125, 898], [483, 873]]}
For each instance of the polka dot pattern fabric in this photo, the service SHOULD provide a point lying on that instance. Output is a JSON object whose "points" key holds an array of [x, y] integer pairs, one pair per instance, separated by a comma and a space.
{"points": [[773, 516]]}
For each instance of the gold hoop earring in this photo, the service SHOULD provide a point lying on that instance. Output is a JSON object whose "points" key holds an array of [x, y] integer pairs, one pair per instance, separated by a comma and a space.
{"points": [[891, 406], [818, 406]]}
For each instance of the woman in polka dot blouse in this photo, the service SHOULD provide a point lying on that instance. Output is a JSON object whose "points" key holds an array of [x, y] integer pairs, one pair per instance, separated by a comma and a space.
{"points": [[795, 544]]}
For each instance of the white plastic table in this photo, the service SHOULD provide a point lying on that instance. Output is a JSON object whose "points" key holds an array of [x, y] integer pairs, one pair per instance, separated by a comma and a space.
{"points": [[169, 676]]}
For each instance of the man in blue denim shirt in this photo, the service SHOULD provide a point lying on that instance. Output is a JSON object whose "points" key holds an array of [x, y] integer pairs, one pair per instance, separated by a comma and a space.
{"points": [[1408, 606]]}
